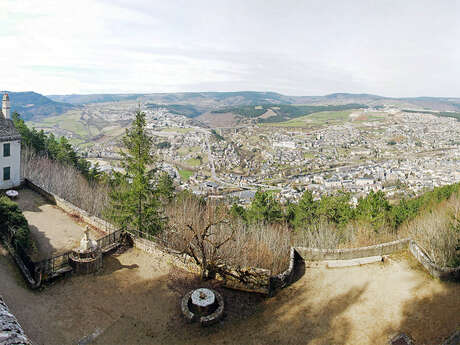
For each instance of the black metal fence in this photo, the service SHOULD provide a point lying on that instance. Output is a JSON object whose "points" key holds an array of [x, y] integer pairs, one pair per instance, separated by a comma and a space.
{"points": [[53, 266], [110, 239]]}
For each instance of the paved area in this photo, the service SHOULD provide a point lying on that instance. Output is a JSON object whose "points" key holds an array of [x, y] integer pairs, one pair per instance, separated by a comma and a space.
{"points": [[53, 230]]}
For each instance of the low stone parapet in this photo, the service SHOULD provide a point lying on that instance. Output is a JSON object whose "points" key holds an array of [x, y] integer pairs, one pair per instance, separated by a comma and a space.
{"points": [[251, 279], [443, 273], [283, 279], [315, 254]]}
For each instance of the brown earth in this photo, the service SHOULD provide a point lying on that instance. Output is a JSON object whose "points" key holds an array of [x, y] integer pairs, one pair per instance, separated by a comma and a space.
{"points": [[53, 231], [218, 120], [269, 113], [135, 300]]}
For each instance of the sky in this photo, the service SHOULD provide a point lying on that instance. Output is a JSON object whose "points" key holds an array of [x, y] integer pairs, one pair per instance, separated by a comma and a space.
{"points": [[295, 47]]}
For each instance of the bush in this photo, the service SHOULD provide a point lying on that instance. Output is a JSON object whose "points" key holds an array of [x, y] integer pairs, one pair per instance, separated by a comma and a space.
{"points": [[14, 226]]}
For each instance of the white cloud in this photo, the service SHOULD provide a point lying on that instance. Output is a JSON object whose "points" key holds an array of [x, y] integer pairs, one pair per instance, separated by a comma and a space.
{"points": [[386, 47]]}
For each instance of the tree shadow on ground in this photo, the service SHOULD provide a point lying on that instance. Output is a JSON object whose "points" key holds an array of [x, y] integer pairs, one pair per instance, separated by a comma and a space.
{"points": [[30, 201], [254, 319], [429, 320], [142, 306], [42, 248], [112, 264]]}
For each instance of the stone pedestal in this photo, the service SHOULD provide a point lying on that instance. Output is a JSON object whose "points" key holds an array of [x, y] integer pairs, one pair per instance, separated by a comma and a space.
{"points": [[88, 257]]}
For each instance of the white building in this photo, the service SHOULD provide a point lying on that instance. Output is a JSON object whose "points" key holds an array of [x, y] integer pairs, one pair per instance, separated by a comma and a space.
{"points": [[10, 149], [285, 144]]}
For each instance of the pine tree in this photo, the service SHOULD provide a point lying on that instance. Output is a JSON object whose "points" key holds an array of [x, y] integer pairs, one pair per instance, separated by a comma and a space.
{"points": [[134, 203]]}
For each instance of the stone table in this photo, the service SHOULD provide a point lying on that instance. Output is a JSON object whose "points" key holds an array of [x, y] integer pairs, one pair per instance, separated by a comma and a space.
{"points": [[203, 298]]}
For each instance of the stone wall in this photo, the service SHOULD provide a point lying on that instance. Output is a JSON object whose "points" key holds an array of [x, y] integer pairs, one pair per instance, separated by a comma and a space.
{"points": [[71, 208], [249, 279], [11, 331], [443, 273], [315, 254], [285, 278]]}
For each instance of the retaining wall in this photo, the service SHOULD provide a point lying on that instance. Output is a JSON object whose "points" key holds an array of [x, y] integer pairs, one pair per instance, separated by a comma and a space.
{"points": [[249, 279]]}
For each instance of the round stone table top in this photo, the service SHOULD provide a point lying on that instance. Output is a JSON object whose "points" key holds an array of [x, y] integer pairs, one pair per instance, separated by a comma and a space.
{"points": [[203, 297], [12, 193]]}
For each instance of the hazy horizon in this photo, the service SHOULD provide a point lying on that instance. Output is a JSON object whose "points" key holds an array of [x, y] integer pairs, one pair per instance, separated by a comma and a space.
{"points": [[385, 48]]}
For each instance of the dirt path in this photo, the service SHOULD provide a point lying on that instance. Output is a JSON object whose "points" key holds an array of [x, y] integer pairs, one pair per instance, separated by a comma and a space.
{"points": [[53, 230], [134, 301]]}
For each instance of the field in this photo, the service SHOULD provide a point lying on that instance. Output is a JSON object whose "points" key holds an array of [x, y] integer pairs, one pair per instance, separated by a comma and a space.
{"points": [[320, 118], [193, 162], [185, 174], [79, 128], [327, 118]]}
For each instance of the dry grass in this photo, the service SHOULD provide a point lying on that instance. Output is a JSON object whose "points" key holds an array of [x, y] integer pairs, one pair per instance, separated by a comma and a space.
{"points": [[438, 232], [239, 244], [64, 181], [328, 236]]}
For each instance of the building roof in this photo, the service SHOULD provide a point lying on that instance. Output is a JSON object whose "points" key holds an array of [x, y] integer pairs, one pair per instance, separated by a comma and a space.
{"points": [[7, 130]]}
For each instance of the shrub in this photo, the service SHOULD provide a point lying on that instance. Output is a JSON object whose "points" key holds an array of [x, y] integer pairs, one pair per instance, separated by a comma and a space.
{"points": [[14, 226]]}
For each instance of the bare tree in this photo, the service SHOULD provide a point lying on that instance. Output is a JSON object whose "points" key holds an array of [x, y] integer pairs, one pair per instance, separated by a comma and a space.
{"points": [[200, 229]]}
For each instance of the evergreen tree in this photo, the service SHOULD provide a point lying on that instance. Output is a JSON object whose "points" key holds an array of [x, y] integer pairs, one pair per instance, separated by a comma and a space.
{"points": [[134, 203], [374, 208], [165, 187], [305, 212], [264, 208]]}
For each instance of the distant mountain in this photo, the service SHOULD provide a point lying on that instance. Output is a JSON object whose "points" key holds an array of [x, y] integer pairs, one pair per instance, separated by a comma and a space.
{"points": [[94, 98], [194, 98], [208, 101], [33, 105], [194, 104]]}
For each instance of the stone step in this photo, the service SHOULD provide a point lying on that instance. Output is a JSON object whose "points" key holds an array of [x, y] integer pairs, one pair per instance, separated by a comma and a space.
{"points": [[353, 262]]}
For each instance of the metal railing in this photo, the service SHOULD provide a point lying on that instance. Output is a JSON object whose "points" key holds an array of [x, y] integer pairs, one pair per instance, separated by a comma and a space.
{"points": [[109, 239], [51, 266]]}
